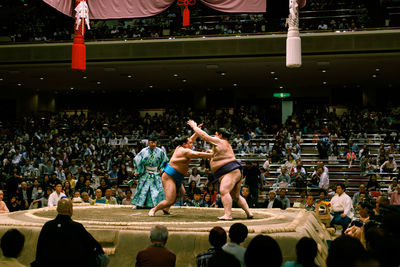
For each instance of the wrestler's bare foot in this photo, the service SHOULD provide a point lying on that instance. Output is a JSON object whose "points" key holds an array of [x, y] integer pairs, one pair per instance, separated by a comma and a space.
{"points": [[250, 216], [225, 218], [152, 212]]}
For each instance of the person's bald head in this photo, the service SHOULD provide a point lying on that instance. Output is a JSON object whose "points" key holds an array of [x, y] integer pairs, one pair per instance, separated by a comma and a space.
{"points": [[64, 207]]}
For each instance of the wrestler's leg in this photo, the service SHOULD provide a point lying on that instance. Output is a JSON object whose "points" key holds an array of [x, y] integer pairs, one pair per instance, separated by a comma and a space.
{"points": [[170, 194], [180, 194], [235, 193], [228, 182]]}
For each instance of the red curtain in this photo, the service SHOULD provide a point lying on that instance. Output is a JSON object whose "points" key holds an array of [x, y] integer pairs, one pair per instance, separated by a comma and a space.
{"points": [[116, 9]]}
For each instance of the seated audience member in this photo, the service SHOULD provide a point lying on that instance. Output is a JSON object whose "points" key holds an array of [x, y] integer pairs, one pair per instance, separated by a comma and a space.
{"points": [[356, 196], [272, 201], [55, 196], [216, 256], [103, 186], [191, 189], [128, 199], [77, 198], [195, 176], [67, 190], [393, 186], [85, 198], [261, 248], [237, 234], [310, 203], [15, 204], [342, 208], [99, 199], [344, 251], [245, 192], [283, 199], [12, 243], [389, 165], [88, 189], [373, 184], [366, 213], [197, 201], [306, 251], [3, 206], [283, 177], [156, 254], [395, 196], [111, 200], [302, 200], [71, 234], [213, 193], [207, 200]]}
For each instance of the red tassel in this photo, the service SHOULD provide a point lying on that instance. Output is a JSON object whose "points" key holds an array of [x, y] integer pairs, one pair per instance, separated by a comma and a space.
{"points": [[186, 13], [186, 17], [78, 55], [78, 48]]}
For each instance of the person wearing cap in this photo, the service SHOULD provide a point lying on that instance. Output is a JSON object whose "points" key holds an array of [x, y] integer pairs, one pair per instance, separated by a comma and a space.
{"points": [[226, 169], [149, 163], [175, 170], [62, 232]]}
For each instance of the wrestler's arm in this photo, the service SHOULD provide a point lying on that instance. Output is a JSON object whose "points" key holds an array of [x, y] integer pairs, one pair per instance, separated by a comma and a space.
{"points": [[203, 135], [194, 154], [195, 135]]}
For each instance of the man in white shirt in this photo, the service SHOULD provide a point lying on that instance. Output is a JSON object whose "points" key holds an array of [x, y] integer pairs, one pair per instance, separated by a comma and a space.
{"points": [[55, 196], [342, 207], [237, 234]]}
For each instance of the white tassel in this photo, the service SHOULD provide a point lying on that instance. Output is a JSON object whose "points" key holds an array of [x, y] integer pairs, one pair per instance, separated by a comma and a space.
{"points": [[293, 41]]}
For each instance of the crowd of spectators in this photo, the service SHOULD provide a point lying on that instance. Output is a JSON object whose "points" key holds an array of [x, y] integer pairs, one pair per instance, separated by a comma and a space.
{"points": [[89, 157], [33, 20]]}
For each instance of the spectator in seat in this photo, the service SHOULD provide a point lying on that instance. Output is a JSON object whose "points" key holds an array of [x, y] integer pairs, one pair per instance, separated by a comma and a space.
{"points": [[197, 201], [237, 234], [85, 198], [356, 197], [156, 254], [342, 208], [283, 177], [12, 243], [216, 256], [195, 176], [394, 197], [3, 206], [245, 192], [88, 189], [389, 166], [306, 251], [128, 199], [283, 199], [310, 203], [260, 248], [272, 201], [373, 184], [99, 199], [111, 200]]}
